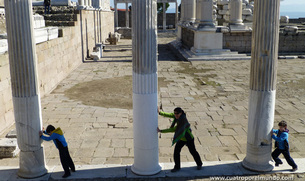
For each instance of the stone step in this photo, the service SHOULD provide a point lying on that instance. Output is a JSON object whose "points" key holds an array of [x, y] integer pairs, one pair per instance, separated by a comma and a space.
{"points": [[60, 23], [8, 147]]}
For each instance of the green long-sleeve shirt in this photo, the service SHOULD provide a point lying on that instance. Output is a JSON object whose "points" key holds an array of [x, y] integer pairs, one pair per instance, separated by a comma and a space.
{"points": [[173, 126]]}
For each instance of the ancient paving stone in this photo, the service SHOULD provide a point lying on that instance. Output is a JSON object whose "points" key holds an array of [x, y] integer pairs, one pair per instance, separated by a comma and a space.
{"points": [[211, 157], [113, 161], [103, 152], [121, 152], [209, 141], [226, 132], [227, 157], [228, 141], [117, 143]]}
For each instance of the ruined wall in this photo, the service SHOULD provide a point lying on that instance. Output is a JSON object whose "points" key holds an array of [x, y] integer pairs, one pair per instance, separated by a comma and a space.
{"points": [[56, 59], [170, 19], [241, 42], [187, 37]]}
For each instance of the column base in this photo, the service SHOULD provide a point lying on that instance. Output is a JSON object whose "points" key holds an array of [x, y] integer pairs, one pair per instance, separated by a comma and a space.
{"points": [[32, 164], [239, 28], [145, 123]]}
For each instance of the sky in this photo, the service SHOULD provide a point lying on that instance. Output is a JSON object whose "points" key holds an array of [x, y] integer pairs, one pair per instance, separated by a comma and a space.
{"points": [[293, 6]]}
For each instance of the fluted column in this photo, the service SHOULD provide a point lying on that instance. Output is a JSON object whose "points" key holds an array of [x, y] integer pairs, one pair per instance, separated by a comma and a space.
{"points": [[236, 12], [116, 18], [164, 16], [127, 15], [206, 15], [176, 15], [26, 98], [190, 10], [145, 85], [81, 4], [182, 11], [265, 38]]}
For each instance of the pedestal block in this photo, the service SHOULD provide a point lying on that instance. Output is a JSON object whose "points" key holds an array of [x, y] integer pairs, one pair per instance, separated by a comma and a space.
{"points": [[207, 40]]}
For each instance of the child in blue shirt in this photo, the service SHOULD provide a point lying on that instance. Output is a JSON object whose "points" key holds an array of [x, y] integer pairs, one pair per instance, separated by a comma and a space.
{"points": [[282, 146], [60, 142]]}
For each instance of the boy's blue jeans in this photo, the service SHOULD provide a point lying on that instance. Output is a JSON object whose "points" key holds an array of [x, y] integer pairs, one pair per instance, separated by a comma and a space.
{"points": [[47, 7], [275, 155]]}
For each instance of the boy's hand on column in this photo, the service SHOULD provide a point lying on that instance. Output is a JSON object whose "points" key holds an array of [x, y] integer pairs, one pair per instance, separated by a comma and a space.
{"points": [[40, 133]]}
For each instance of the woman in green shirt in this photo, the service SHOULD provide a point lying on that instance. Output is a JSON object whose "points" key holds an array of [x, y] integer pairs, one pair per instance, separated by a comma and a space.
{"points": [[183, 136]]}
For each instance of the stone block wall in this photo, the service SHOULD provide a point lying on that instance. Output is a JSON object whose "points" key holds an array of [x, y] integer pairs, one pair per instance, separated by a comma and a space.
{"points": [[56, 58], [241, 42], [292, 43], [6, 104], [187, 37]]}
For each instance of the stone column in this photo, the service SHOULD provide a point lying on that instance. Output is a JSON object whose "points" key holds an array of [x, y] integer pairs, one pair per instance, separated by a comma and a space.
{"points": [[190, 11], [164, 16], [127, 15], [265, 39], [116, 18], [236, 12], [176, 15], [206, 15], [26, 97], [182, 11], [198, 12], [81, 4], [145, 85]]}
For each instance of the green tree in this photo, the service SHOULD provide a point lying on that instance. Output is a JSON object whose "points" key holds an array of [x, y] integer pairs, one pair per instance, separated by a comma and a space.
{"points": [[160, 7]]}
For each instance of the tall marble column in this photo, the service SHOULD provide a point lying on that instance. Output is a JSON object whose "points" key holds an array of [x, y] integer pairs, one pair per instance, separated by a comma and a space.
{"points": [[265, 39], [127, 15], [190, 11], [206, 15], [164, 16], [236, 12], [81, 4], [26, 97], [176, 15], [116, 18], [182, 11], [145, 85]]}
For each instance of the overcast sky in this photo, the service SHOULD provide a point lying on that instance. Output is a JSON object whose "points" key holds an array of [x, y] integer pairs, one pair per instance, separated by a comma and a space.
{"points": [[286, 5]]}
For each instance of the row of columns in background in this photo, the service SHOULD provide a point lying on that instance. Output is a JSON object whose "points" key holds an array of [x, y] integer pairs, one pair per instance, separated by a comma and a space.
{"points": [[201, 12], [116, 2], [26, 97], [91, 3]]}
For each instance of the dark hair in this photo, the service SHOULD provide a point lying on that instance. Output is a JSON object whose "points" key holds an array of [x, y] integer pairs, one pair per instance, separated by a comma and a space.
{"points": [[178, 110], [283, 123], [50, 128]]}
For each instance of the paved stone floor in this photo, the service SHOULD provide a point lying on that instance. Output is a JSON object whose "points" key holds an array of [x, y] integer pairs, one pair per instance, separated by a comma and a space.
{"points": [[214, 95]]}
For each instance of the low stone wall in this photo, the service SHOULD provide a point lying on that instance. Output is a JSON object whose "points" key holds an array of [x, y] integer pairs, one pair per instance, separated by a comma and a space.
{"points": [[57, 58], [288, 43], [187, 37], [241, 42]]}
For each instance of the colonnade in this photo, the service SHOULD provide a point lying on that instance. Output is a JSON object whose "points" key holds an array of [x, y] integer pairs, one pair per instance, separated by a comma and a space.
{"points": [[127, 2], [26, 97]]}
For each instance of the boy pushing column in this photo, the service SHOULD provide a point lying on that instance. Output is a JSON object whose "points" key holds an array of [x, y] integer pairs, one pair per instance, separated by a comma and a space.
{"points": [[282, 146], [60, 142]]}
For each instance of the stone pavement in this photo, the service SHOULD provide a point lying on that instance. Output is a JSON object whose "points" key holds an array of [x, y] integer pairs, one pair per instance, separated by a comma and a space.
{"points": [[214, 95]]}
